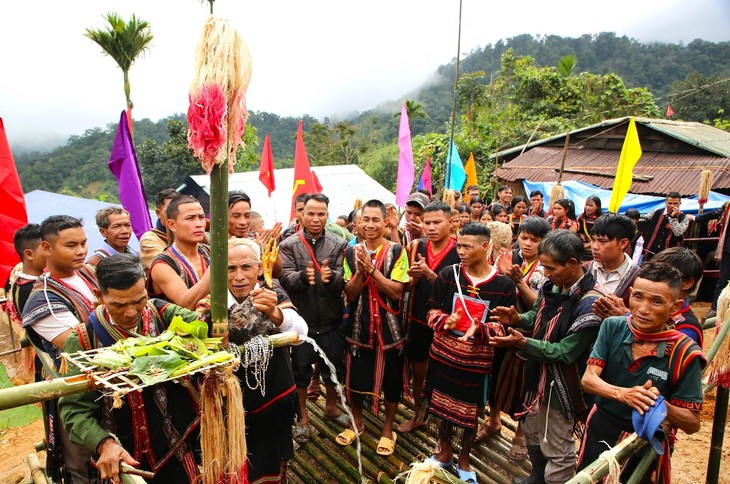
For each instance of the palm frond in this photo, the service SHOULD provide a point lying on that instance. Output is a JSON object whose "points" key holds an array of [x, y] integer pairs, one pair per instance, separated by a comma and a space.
{"points": [[122, 41]]}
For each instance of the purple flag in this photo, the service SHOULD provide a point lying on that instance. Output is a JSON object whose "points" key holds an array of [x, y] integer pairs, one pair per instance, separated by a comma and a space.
{"points": [[425, 181], [123, 164], [406, 170]]}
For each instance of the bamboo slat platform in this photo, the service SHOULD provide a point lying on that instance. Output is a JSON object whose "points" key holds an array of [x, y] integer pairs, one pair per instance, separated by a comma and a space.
{"points": [[323, 460]]}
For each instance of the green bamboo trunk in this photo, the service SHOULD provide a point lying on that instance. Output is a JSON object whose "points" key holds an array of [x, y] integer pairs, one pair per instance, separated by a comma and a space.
{"points": [[219, 250]]}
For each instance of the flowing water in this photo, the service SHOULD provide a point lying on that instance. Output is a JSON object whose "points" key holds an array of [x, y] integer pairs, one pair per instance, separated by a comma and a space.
{"points": [[341, 393]]}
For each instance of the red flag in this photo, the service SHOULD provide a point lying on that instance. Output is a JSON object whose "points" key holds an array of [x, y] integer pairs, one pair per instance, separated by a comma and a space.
{"points": [[266, 170], [670, 111], [305, 181], [13, 215]]}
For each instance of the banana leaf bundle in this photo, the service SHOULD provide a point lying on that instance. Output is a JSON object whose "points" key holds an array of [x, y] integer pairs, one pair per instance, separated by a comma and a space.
{"points": [[182, 349]]}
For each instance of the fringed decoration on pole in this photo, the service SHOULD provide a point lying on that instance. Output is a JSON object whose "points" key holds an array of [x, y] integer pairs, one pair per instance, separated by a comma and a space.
{"points": [[217, 113]]}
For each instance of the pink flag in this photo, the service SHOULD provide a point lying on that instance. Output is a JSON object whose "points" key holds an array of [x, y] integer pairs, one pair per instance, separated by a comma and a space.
{"points": [[425, 181], [406, 170]]}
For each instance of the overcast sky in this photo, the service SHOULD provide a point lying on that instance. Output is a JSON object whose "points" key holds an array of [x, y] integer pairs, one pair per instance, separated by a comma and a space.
{"points": [[319, 57]]}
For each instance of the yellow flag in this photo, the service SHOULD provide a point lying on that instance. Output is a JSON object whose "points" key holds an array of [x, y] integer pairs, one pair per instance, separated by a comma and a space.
{"points": [[630, 154], [471, 173]]}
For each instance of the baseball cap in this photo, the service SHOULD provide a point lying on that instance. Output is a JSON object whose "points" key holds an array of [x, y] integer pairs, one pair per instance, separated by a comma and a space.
{"points": [[418, 198], [648, 426]]}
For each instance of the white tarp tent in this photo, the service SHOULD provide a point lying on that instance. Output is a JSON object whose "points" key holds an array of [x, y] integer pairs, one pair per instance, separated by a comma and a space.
{"points": [[342, 184]]}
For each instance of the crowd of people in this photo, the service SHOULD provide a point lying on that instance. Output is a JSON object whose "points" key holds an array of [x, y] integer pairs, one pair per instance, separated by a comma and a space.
{"points": [[567, 324]]}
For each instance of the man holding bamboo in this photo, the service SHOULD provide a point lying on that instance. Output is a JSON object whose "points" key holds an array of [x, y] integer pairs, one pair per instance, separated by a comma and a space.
{"points": [[159, 426], [640, 362]]}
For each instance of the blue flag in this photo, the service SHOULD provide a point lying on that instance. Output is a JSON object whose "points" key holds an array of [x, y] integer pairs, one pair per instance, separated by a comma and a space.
{"points": [[455, 174]]}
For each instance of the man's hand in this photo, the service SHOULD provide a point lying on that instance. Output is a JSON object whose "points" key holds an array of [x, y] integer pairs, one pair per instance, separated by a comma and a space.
{"points": [[392, 217], [420, 269], [507, 316], [470, 331], [514, 338], [415, 227], [504, 262], [265, 300], [639, 397], [309, 271], [610, 305], [325, 272], [452, 320], [111, 454], [364, 262], [268, 234], [514, 272]]}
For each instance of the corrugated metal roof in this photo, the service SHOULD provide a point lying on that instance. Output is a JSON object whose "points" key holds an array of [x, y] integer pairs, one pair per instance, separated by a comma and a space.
{"points": [[666, 171], [700, 135]]}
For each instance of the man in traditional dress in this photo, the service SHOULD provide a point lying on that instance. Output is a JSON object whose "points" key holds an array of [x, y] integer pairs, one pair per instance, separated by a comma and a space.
{"points": [[312, 276], [427, 256], [458, 373], [719, 225], [636, 359], [664, 228], [612, 268], [61, 299], [564, 328], [180, 274], [27, 243], [270, 410], [156, 429], [505, 393], [375, 273], [155, 240], [115, 226]]}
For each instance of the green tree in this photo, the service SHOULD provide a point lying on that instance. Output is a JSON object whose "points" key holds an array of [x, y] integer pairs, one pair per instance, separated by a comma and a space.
{"points": [[123, 42], [700, 98]]}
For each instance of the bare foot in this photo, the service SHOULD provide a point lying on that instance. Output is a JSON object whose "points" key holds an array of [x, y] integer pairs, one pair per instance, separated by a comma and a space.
{"points": [[409, 426]]}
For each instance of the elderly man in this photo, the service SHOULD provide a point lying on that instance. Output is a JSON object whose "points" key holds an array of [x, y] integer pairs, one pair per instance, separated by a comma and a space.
{"points": [[116, 227], [637, 359], [158, 426], [564, 328], [269, 415]]}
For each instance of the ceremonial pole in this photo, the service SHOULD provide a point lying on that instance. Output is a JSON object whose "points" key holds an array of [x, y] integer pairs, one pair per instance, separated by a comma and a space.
{"points": [[447, 178]]}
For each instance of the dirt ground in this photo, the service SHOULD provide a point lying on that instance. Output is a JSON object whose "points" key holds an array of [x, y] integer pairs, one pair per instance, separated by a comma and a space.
{"points": [[689, 462]]}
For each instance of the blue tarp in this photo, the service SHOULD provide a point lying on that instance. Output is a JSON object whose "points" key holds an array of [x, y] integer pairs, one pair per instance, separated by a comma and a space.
{"points": [[41, 204], [579, 191]]}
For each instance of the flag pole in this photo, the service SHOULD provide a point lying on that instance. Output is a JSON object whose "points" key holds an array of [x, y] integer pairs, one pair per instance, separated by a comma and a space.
{"points": [[447, 179]]}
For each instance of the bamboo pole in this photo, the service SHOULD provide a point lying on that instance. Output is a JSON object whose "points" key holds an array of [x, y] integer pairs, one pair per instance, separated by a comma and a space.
{"points": [[301, 473], [367, 455], [36, 471], [219, 251], [340, 471], [42, 391], [641, 469], [600, 468]]}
